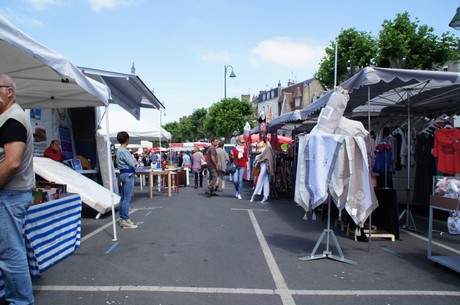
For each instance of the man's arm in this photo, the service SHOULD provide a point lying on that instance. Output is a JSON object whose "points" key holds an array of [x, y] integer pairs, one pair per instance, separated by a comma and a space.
{"points": [[14, 152]]}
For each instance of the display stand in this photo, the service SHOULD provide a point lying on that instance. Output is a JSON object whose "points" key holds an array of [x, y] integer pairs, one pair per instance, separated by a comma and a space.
{"points": [[443, 204], [327, 233]]}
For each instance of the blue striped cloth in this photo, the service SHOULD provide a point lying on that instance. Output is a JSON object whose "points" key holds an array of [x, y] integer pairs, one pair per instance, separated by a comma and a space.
{"points": [[52, 232]]}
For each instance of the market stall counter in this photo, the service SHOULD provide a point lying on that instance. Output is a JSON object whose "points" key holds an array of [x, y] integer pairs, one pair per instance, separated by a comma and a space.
{"points": [[52, 232]]}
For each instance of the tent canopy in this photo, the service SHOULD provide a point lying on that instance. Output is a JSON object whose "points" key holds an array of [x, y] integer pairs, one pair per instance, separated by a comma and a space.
{"points": [[44, 78], [138, 130], [126, 90], [391, 91]]}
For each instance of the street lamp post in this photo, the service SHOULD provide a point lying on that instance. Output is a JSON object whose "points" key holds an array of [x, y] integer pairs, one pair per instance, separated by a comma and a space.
{"points": [[232, 75]]}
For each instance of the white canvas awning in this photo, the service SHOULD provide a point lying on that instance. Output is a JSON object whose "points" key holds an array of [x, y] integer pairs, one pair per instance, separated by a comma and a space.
{"points": [[126, 90], [45, 78]]}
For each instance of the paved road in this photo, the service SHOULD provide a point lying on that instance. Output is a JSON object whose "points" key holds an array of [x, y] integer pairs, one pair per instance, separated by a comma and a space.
{"points": [[194, 250]]}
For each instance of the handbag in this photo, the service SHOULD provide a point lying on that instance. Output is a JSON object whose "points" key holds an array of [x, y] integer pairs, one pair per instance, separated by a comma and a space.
{"points": [[231, 168], [203, 163]]}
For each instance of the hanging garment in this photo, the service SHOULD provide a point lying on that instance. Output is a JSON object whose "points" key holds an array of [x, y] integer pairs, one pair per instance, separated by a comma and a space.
{"points": [[361, 198], [383, 157], [445, 142], [301, 194], [350, 185], [340, 178], [425, 169], [320, 155]]}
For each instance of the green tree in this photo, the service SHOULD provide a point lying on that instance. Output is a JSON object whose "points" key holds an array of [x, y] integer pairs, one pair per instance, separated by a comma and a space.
{"points": [[189, 128], [196, 125], [355, 50], [226, 116], [405, 44]]}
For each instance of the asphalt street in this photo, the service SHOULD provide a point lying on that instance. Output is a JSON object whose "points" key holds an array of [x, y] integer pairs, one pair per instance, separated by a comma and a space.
{"points": [[189, 249]]}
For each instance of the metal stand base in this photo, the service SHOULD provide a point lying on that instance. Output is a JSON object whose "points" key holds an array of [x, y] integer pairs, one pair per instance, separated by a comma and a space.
{"points": [[327, 254], [410, 223]]}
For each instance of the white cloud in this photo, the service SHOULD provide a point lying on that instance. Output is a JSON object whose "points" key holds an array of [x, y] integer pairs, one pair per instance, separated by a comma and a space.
{"points": [[216, 56], [18, 18], [43, 4], [285, 52], [97, 5]]}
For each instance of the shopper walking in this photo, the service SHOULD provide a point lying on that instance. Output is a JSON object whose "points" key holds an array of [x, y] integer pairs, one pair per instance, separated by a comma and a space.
{"points": [[197, 156], [126, 165], [222, 159], [16, 182], [213, 167], [239, 155]]}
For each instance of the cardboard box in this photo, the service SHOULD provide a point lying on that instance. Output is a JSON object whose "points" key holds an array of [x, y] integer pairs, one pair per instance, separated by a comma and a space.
{"points": [[60, 188]]}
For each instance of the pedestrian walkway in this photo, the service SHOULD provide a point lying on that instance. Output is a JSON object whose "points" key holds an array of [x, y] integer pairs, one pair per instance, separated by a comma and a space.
{"points": [[189, 249]]}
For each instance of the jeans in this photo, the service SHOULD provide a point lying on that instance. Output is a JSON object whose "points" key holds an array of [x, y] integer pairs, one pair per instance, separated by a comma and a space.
{"points": [[200, 175], [238, 179], [13, 256], [127, 187]]}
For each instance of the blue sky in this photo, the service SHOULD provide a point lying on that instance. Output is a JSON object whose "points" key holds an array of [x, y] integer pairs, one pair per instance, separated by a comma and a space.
{"points": [[180, 47]]}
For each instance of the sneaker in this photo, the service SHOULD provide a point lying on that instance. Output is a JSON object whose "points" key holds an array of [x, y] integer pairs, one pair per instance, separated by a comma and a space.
{"points": [[236, 195], [127, 225], [239, 197], [264, 199], [252, 199]]}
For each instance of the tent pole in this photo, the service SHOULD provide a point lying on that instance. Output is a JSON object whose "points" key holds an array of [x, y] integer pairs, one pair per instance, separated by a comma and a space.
{"points": [[110, 166], [410, 224], [335, 63]]}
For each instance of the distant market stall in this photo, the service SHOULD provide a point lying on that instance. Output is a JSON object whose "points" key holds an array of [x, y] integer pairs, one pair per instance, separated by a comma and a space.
{"points": [[187, 146]]}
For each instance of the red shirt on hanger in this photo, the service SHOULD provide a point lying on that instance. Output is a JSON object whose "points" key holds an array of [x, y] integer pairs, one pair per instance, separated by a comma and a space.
{"points": [[447, 150]]}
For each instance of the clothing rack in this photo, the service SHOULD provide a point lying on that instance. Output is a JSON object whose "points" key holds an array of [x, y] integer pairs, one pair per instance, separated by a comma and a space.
{"points": [[327, 233]]}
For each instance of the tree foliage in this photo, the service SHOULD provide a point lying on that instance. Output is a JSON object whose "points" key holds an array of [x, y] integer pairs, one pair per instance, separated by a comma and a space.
{"points": [[355, 50], [401, 43], [406, 44], [227, 116], [221, 120]]}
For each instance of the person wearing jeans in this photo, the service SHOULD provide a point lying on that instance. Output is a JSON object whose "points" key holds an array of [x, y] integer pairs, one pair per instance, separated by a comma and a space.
{"points": [[240, 158], [125, 162], [17, 179]]}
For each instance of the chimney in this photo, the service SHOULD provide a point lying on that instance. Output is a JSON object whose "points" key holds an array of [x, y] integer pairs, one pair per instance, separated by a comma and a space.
{"points": [[133, 70]]}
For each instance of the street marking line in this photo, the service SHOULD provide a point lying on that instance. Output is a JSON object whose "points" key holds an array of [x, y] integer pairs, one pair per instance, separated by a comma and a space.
{"points": [[392, 252], [281, 287], [252, 291], [111, 248], [100, 229], [433, 242], [241, 209]]}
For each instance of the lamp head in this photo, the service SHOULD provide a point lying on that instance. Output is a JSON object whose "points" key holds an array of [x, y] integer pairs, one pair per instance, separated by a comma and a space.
{"points": [[455, 22], [232, 75]]}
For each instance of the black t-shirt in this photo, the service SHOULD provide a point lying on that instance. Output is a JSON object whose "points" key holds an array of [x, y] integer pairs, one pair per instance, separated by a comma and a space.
{"points": [[12, 131]]}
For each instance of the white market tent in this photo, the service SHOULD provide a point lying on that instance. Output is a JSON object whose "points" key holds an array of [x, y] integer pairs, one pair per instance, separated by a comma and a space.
{"points": [[47, 79], [138, 130], [43, 77]]}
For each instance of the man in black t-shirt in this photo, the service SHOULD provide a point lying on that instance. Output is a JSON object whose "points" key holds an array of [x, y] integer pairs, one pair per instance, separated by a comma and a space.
{"points": [[16, 182]]}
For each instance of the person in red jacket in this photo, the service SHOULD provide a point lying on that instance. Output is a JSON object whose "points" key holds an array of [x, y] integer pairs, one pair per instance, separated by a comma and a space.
{"points": [[239, 154], [54, 151]]}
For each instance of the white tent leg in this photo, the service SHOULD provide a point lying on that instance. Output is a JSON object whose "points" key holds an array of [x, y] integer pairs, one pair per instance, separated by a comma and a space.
{"points": [[110, 166]]}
